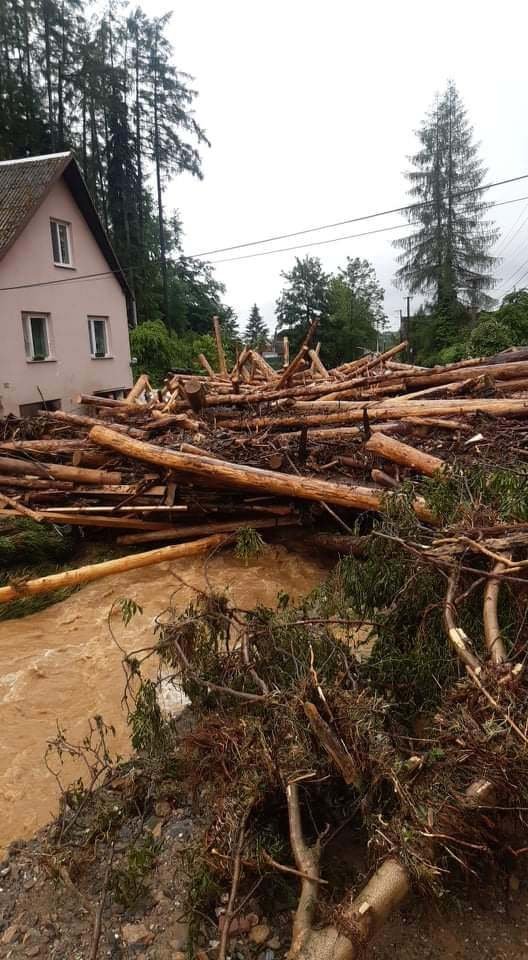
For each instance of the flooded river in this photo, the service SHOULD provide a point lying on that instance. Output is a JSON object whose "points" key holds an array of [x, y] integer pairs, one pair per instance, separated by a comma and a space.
{"points": [[61, 664]]}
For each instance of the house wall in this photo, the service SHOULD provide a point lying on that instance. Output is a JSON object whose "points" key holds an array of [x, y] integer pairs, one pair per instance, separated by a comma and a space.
{"points": [[72, 369]]}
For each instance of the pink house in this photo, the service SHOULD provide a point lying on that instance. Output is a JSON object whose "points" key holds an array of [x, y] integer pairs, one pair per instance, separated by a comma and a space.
{"points": [[65, 305]]}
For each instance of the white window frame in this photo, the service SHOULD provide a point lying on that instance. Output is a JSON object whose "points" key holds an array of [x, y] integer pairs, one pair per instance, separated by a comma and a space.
{"points": [[55, 224], [28, 336], [91, 336]]}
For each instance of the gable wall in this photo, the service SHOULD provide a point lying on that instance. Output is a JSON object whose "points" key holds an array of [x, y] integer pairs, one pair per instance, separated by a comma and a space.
{"points": [[72, 371]]}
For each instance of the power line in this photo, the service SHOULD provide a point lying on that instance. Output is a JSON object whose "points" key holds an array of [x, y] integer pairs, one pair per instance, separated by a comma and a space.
{"points": [[368, 216], [509, 236], [263, 253], [350, 236]]}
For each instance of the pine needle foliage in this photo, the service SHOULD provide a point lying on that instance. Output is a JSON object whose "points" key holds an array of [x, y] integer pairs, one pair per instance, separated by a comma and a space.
{"points": [[447, 256]]}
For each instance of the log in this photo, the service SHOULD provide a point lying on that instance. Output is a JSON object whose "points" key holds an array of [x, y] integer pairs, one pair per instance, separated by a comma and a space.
{"points": [[206, 529], [267, 371], [178, 420], [389, 410], [242, 477], [79, 420], [56, 471], [397, 452], [199, 451], [139, 387], [285, 352], [318, 365], [384, 479], [206, 365], [89, 520], [17, 507], [219, 346], [53, 447], [95, 571], [333, 747], [31, 483], [299, 357], [194, 393], [91, 458]]}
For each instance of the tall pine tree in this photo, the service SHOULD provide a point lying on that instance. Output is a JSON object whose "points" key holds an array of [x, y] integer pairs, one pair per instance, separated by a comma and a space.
{"points": [[256, 332], [447, 256]]}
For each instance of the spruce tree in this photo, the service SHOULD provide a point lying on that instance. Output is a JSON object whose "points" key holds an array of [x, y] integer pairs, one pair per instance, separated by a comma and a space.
{"points": [[447, 256], [256, 333]]}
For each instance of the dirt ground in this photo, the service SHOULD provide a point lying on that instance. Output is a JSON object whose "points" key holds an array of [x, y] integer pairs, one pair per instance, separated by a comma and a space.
{"points": [[48, 910]]}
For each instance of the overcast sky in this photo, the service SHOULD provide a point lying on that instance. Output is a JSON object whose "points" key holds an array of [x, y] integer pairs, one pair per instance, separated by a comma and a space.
{"points": [[311, 109]]}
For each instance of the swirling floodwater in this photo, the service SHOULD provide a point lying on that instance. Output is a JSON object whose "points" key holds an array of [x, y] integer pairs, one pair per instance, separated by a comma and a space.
{"points": [[61, 665]]}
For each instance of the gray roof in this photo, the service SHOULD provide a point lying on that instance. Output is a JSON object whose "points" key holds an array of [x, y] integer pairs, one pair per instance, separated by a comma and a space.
{"points": [[23, 186]]}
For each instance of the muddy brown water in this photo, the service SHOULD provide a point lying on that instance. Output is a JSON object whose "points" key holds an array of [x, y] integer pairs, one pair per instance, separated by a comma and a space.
{"points": [[61, 664]]}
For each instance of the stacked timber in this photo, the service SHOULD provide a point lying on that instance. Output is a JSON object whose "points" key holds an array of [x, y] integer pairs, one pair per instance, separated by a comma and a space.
{"points": [[254, 446]]}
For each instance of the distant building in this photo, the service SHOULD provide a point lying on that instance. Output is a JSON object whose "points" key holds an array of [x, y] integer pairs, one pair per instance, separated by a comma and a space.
{"points": [[57, 339]]}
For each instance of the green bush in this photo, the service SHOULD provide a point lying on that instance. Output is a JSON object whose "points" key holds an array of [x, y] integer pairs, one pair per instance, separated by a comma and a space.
{"points": [[157, 350], [490, 336]]}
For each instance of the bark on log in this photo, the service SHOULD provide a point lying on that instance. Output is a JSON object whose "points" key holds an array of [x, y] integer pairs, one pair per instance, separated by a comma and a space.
{"points": [[492, 630], [206, 529], [95, 571], [300, 356], [267, 371], [32, 483], [199, 451], [78, 420], [318, 366], [243, 477], [17, 507], [397, 452], [332, 746], [56, 471], [89, 520], [194, 392], [206, 365], [43, 446], [389, 410], [90, 458], [219, 346], [139, 387], [178, 420]]}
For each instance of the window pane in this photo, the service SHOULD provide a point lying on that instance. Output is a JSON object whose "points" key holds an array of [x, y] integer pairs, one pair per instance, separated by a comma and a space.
{"points": [[55, 242], [63, 240], [100, 337], [39, 337]]}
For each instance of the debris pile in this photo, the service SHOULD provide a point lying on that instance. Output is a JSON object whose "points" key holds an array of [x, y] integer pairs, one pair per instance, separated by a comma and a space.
{"points": [[389, 705], [209, 455]]}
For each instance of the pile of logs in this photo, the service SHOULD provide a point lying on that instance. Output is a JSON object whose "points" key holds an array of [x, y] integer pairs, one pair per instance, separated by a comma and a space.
{"points": [[210, 454]]}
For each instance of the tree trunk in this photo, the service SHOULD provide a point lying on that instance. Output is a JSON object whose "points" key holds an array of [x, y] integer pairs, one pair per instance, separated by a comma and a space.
{"points": [[394, 450], [194, 392], [56, 471], [242, 477], [389, 410], [206, 529], [219, 347], [95, 571]]}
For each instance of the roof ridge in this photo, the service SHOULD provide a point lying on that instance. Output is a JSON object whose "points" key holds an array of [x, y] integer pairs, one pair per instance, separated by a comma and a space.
{"points": [[44, 156]]}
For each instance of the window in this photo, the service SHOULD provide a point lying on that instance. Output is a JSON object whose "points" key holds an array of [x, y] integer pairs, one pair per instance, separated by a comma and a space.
{"points": [[60, 242], [33, 409], [98, 330], [36, 328]]}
